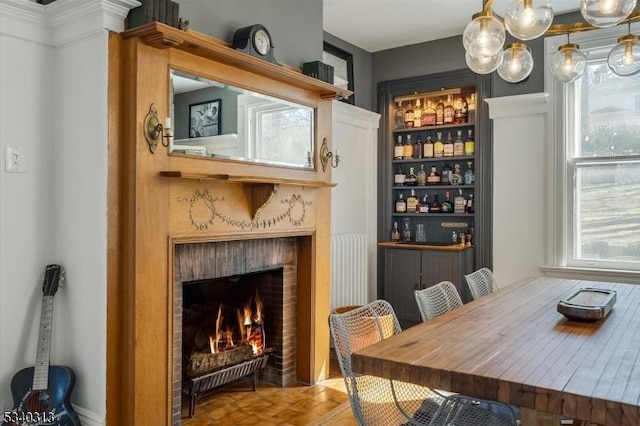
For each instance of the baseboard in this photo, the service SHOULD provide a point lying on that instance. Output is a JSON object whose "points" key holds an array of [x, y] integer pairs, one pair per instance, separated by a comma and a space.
{"points": [[89, 418]]}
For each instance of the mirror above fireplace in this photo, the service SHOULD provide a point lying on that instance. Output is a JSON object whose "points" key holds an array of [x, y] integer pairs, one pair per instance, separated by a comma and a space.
{"points": [[217, 120]]}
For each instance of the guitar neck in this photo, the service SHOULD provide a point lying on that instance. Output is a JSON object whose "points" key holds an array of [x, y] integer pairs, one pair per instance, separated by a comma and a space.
{"points": [[41, 370]]}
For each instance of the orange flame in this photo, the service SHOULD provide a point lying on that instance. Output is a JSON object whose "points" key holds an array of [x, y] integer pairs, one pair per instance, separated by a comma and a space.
{"points": [[215, 340]]}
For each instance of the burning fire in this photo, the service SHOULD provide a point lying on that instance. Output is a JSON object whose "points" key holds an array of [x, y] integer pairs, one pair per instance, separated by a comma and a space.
{"points": [[250, 326]]}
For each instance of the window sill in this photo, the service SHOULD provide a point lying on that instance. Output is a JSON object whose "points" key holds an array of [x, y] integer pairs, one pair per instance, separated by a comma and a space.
{"points": [[623, 276]]}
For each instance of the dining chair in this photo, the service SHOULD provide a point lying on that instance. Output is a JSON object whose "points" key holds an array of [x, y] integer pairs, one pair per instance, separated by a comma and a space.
{"points": [[481, 283], [379, 401], [437, 300]]}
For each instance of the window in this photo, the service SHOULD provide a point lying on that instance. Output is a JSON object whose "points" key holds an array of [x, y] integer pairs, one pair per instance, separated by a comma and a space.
{"points": [[596, 148]]}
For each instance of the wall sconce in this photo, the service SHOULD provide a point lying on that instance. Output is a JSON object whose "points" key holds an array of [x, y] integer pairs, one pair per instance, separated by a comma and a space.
{"points": [[154, 130], [326, 156]]}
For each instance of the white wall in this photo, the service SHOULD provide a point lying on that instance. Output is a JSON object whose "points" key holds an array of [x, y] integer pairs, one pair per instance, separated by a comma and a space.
{"points": [[519, 185], [53, 93]]}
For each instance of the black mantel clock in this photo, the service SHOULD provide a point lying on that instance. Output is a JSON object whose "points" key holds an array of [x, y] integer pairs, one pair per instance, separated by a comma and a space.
{"points": [[256, 41]]}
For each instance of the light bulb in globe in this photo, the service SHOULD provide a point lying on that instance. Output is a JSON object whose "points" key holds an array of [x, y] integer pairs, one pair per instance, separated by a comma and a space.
{"points": [[568, 63], [483, 64], [517, 63], [526, 21], [484, 35], [606, 13], [624, 58]]}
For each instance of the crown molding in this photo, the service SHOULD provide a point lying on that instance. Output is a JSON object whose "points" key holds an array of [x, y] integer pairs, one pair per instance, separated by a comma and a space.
{"points": [[63, 20]]}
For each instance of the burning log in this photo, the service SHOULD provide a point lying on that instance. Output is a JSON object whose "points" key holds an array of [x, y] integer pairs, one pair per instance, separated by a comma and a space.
{"points": [[200, 363]]}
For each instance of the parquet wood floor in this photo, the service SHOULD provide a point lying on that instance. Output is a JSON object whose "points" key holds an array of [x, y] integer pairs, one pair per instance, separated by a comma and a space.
{"points": [[324, 404]]}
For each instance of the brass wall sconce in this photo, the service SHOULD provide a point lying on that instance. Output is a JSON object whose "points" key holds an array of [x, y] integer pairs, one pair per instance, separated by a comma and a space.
{"points": [[326, 156], [154, 131]]}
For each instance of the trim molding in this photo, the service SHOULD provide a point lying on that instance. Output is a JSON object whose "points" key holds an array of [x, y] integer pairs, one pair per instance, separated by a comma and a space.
{"points": [[632, 277], [518, 105]]}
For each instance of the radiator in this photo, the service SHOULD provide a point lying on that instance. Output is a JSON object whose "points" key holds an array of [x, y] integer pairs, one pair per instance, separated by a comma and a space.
{"points": [[349, 281]]}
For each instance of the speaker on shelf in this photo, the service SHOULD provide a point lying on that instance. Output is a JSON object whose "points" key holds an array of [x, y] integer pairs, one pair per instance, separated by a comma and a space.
{"points": [[164, 11]]}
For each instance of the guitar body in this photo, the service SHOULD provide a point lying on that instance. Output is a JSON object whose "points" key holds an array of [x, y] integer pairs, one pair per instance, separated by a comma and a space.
{"points": [[43, 407]]}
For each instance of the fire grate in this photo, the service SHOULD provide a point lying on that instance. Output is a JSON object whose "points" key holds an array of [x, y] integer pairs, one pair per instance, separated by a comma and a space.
{"points": [[196, 386]]}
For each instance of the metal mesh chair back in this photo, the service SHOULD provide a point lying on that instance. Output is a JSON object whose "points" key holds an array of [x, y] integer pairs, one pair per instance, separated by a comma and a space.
{"points": [[481, 283], [437, 299]]}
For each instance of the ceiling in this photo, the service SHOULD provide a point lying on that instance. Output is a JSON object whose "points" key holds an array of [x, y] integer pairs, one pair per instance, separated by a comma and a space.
{"points": [[375, 25]]}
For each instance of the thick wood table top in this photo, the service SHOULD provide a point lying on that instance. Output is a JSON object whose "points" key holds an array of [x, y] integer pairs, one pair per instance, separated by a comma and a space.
{"points": [[513, 346]]}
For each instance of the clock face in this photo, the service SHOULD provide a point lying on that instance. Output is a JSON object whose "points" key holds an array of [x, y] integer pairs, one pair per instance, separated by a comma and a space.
{"points": [[261, 42]]}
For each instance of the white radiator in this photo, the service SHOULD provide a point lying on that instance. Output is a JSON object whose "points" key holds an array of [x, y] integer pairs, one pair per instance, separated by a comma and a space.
{"points": [[349, 281]]}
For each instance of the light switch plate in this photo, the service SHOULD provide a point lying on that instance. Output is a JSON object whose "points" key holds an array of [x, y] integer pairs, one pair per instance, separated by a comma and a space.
{"points": [[14, 159]]}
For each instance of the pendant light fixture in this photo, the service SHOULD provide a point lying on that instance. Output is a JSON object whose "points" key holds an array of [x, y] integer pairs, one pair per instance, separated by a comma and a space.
{"points": [[483, 64], [526, 21], [606, 13], [517, 63], [568, 63], [624, 58], [484, 35]]}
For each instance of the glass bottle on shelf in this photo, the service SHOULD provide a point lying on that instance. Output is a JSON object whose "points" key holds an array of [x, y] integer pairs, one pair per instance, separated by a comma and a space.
{"points": [[417, 148], [470, 206], [460, 109], [421, 233], [447, 206], [407, 153], [459, 203], [445, 174], [428, 114], [440, 113], [438, 146], [458, 145], [424, 205], [395, 232], [406, 229], [417, 114], [422, 176], [399, 116], [456, 174], [435, 205], [412, 202], [472, 108], [469, 178], [428, 148], [408, 116], [433, 178], [399, 177], [398, 149], [469, 144], [412, 178], [448, 146], [401, 204], [448, 110]]}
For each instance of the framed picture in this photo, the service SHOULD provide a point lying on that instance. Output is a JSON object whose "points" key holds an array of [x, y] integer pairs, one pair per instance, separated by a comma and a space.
{"points": [[342, 63], [205, 119]]}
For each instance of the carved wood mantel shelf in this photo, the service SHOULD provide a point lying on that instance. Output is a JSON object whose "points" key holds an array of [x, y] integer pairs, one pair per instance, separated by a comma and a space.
{"points": [[258, 190]]}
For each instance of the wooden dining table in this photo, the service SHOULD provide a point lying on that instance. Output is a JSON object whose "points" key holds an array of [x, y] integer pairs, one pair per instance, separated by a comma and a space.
{"points": [[514, 346]]}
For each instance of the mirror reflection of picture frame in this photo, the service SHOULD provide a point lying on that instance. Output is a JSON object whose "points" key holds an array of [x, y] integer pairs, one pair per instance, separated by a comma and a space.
{"points": [[205, 118], [342, 63]]}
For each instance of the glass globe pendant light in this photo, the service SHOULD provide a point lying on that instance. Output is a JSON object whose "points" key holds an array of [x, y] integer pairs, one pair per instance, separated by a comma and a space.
{"points": [[606, 13], [484, 35], [624, 58], [483, 64], [517, 63], [526, 22], [568, 63]]}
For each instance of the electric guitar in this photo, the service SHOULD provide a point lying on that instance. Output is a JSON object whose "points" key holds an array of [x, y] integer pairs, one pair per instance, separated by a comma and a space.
{"points": [[41, 393]]}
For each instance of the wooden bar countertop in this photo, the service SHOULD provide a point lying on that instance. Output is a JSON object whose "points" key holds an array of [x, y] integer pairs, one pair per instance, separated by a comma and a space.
{"points": [[513, 346], [424, 246]]}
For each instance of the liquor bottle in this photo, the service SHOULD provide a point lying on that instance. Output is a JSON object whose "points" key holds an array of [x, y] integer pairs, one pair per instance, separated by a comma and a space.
{"points": [[407, 152], [445, 174], [401, 204], [469, 178], [398, 149], [422, 176], [447, 207], [435, 205], [428, 114], [408, 116], [438, 146], [460, 109], [472, 108], [440, 113], [395, 232], [428, 148], [458, 145], [433, 178], [399, 177], [469, 144], [448, 146], [459, 203], [424, 205], [417, 148], [406, 229], [417, 114], [456, 175], [470, 205], [412, 178], [448, 110], [399, 116], [412, 202], [472, 231]]}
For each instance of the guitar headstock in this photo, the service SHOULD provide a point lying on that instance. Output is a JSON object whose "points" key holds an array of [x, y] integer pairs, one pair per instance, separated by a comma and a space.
{"points": [[51, 280]]}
